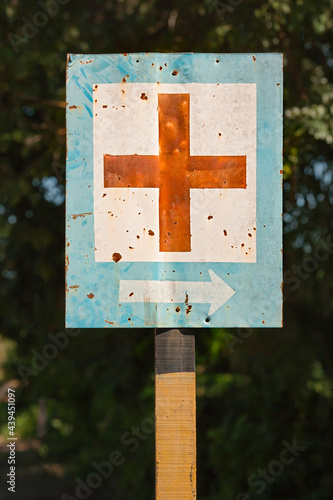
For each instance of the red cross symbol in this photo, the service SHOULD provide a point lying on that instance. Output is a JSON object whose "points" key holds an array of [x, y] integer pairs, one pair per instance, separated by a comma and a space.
{"points": [[174, 172]]}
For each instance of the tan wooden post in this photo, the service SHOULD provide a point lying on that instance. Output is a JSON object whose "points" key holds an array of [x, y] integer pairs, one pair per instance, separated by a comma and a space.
{"points": [[175, 414]]}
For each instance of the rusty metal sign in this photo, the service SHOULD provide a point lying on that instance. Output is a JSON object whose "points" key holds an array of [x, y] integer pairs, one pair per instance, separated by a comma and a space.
{"points": [[174, 194]]}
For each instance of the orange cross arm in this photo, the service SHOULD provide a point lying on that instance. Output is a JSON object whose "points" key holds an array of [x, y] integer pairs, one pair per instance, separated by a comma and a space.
{"points": [[137, 171], [217, 172]]}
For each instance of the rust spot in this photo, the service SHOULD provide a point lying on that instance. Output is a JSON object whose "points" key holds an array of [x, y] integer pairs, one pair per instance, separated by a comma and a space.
{"points": [[72, 107], [131, 294], [177, 309], [138, 236], [96, 86], [277, 84], [225, 232], [125, 54], [151, 233], [209, 217], [103, 195], [220, 134], [188, 309], [131, 248], [143, 96], [129, 319], [254, 58], [75, 216], [123, 91], [105, 105], [90, 296], [250, 235], [161, 67], [263, 322], [87, 62], [152, 64], [165, 64], [186, 298], [264, 225], [254, 229], [124, 80], [217, 60], [242, 245], [174, 73], [116, 257], [75, 286], [281, 171], [110, 322]]}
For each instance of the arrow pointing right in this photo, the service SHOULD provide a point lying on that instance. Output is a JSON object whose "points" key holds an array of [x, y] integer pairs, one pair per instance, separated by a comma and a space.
{"points": [[215, 292]]}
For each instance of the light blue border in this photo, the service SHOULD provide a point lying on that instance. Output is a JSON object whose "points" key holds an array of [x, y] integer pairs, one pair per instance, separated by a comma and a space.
{"points": [[258, 298]]}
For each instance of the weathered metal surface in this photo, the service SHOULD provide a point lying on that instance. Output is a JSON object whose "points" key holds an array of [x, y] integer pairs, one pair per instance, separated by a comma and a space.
{"points": [[174, 190]]}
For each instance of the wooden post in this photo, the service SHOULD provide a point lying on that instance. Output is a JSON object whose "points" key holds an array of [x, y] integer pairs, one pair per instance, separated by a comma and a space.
{"points": [[175, 419]]}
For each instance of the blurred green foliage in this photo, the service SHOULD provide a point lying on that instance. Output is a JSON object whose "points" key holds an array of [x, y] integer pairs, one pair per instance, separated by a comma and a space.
{"points": [[255, 389]]}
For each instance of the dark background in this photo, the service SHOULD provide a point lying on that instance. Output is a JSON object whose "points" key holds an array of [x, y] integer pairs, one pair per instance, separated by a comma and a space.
{"points": [[256, 389]]}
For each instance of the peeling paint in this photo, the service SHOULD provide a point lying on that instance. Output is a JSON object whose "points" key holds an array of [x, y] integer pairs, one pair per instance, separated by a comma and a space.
{"points": [[116, 257], [75, 216]]}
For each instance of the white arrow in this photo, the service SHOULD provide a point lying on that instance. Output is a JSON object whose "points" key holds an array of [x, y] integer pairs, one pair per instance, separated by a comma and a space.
{"points": [[215, 292]]}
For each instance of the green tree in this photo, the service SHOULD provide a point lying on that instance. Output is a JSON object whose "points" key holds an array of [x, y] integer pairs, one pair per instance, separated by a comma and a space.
{"points": [[256, 389]]}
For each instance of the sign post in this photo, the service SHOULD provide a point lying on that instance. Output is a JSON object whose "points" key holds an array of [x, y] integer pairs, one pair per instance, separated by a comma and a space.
{"points": [[174, 209], [175, 427]]}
